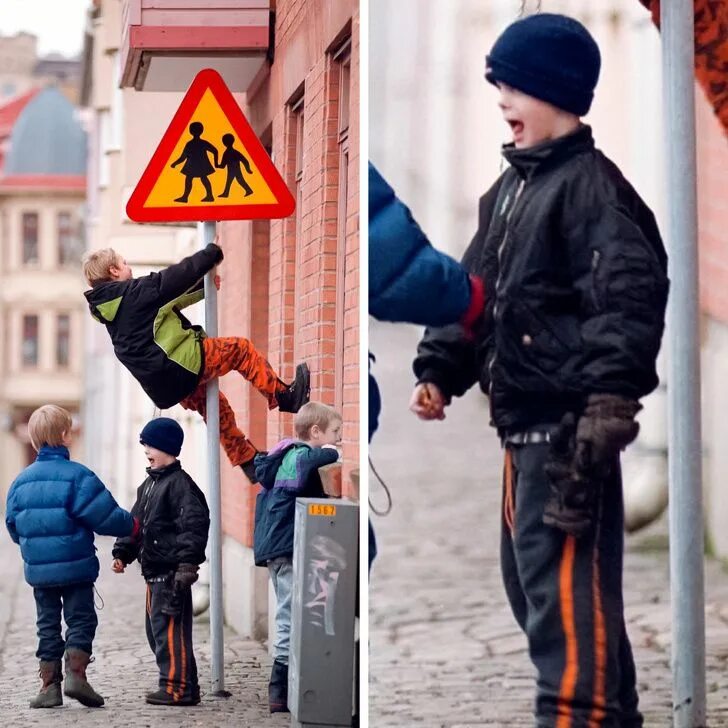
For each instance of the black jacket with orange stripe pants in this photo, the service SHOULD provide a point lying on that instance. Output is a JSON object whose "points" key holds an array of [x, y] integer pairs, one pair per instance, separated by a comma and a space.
{"points": [[175, 521], [576, 269]]}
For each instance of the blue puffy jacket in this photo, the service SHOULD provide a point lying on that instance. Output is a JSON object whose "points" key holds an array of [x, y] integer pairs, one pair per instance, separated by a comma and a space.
{"points": [[53, 509], [409, 280]]}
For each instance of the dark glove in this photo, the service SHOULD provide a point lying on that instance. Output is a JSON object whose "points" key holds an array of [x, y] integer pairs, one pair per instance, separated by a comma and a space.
{"points": [[570, 503], [215, 248], [605, 428], [186, 575], [172, 596]]}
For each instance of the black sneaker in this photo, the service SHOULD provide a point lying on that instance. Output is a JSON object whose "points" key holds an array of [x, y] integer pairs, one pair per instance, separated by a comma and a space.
{"points": [[296, 394], [248, 467], [162, 697]]}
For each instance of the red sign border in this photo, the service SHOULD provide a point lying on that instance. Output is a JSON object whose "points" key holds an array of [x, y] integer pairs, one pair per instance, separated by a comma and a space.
{"points": [[204, 80]]}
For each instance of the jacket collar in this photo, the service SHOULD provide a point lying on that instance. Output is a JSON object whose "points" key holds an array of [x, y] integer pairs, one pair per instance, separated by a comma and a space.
{"points": [[53, 453], [534, 160], [157, 473]]}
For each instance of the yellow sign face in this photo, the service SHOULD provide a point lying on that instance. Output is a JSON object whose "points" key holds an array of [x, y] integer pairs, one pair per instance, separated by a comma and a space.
{"points": [[209, 165], [320, 509], [218, 153]]}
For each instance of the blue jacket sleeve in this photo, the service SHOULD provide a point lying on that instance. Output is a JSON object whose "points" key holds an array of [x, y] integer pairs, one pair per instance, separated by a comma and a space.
{"points": [[93, 506], [311, 459], [10, 515], [409, 280]]}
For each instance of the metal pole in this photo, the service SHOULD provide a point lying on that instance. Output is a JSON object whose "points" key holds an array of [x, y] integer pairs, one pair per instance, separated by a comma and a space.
{"points": [[206, 231], [686, 510]]}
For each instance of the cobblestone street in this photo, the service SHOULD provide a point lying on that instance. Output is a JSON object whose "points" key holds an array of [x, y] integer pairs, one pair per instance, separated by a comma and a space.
{"points": [[444, 647], [124, 669]]}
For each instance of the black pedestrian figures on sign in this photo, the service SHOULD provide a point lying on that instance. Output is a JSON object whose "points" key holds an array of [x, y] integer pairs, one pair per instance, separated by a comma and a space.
{"points": [[197, 163], [232, 158]]}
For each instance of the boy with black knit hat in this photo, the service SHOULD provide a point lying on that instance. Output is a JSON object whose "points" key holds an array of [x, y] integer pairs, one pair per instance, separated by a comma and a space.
{"points": [[172, 359], [577, 271], [174, 525]]}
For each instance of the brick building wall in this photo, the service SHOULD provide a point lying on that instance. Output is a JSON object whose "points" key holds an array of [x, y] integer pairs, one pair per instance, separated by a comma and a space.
{"points": [[292, 286], [712, 156]]}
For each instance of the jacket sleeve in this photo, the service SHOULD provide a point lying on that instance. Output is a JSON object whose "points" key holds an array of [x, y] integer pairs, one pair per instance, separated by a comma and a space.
{"points": [[184, 276], [193, 523], [10, 515], [447, 356], [310, 459], [125, 548], [409, 280], [619, 267], [93, 506]]}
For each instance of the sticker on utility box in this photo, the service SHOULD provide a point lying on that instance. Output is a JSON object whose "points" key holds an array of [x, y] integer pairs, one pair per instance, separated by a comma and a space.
{"points": [[321, 509]]}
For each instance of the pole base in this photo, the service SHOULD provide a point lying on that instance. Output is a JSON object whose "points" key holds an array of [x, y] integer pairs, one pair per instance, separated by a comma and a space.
{"points": [[222, 694]]}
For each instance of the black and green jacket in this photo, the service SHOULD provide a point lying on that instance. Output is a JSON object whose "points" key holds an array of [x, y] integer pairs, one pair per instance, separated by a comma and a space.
{"points": [[151, 337]]}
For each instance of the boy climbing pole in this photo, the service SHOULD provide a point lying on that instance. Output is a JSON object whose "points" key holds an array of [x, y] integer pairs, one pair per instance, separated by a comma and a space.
{"points": [[172, 359]]}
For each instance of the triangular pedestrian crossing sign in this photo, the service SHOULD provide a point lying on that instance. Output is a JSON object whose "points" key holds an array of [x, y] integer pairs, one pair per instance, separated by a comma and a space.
{"points": [[209, 165]]}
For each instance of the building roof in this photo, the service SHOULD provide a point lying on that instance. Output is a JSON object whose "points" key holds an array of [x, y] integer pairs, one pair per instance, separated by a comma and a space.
{"points": [[10, 111], [47, 140]]}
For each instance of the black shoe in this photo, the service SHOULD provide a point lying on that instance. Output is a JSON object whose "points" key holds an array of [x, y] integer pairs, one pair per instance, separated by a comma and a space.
{"points": [[278, 688], [296, 394], [180, 199], [248, 467], [162, 697], [208, 198]]}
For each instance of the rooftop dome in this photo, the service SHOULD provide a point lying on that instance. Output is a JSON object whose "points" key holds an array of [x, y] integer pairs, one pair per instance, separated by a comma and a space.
{"points": [[47, 139]]}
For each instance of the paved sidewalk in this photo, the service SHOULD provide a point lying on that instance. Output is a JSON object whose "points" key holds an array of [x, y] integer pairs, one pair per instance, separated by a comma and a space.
{"points": [[444, 647], [124, 669]]}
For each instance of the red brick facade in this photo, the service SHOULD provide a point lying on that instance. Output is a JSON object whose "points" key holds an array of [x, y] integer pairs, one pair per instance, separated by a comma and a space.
{"points": [[292, 286], [712, 148]]}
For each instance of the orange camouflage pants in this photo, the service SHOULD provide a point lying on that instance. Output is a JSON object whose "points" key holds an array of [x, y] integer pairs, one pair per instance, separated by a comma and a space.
{"points": [[224, 355]]}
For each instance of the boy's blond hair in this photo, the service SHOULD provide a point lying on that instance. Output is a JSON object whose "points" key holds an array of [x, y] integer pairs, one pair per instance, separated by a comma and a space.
{"points": [[314, 413], [47, 425], [97, 265]]}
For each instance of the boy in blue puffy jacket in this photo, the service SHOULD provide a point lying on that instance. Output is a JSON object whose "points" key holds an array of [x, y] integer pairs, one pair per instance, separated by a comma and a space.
{"points": [[57, 496], [410, 281], [288, 472]]}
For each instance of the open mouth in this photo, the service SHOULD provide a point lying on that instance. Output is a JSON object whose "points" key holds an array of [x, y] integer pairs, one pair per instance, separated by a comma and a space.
{"points": [[516, 127]]}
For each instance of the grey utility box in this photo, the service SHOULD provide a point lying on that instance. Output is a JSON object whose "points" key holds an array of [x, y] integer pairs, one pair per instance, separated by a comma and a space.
{"points": [[325, 570]]}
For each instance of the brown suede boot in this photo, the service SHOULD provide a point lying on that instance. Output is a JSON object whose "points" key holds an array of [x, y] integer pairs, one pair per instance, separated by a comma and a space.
{"points": [[50, 693], [76, 686]]}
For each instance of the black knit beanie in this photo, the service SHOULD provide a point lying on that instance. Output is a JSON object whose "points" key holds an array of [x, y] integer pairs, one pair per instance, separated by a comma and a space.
{"points": [[550, 57], [163, 433]]}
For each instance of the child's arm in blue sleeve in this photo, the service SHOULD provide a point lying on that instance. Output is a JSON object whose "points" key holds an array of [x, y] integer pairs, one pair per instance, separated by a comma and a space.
{"points": [[311, 459], [94, 507], [410, 280]]}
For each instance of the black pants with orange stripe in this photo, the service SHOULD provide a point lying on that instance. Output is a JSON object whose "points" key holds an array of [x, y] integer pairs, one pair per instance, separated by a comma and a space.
{"points": [[171, 641], [566, 594]]}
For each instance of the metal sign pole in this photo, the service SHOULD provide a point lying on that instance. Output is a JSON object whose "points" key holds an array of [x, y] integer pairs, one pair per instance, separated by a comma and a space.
{"points": [[686, 510], [206, 231]]}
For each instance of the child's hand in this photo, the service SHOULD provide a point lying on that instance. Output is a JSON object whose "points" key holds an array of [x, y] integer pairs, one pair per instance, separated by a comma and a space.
{"points": [[118, 566], [428, 402]]}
